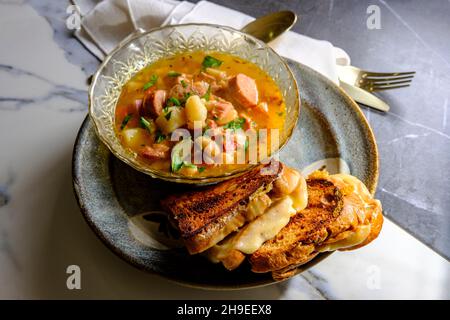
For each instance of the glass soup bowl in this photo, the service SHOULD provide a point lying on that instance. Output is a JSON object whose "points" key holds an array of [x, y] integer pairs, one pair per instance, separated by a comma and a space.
{"points": [[144, 48]]}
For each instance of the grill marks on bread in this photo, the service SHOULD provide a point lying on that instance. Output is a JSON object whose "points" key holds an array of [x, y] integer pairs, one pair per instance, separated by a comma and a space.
{"points": [[201, 213], [295, 243]]}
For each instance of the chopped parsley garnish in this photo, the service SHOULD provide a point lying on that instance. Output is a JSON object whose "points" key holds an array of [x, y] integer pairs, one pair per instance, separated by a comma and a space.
{"points": [[177, 157], [173, 74], [187, 95], [211, 62], [192, 166], [184, 84], [235, 124], [167, 115], [172, 101], [201, 169], [160, 137], [207, 95], [151, 83], [176, 163], [126, 120], [189, 165], [146, 124]]}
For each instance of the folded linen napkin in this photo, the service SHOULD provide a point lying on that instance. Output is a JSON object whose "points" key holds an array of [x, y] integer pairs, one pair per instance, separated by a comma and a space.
{"points": [[105, 23]]}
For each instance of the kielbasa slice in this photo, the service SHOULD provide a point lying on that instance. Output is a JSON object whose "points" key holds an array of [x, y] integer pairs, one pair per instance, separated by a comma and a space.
{"points": [[244, 90], [154, 102], [222, 111]]}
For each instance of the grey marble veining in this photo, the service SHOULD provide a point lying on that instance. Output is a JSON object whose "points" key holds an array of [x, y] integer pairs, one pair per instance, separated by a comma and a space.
{"points": [[55, 12], [5, 186], [57, 90]]}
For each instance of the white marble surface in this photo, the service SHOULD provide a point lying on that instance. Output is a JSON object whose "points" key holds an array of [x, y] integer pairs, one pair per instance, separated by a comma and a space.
{"points": [[42, 104]]}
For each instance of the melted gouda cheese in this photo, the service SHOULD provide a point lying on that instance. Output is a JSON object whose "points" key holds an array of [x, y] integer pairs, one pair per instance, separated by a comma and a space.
{"points": [[265, 227], [299, 196], [267, 217]]}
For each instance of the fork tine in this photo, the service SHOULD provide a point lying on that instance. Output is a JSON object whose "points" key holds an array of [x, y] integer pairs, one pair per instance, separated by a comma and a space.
{"points": [[386, 82], [382, 88], [365, 74], [374, 80]]}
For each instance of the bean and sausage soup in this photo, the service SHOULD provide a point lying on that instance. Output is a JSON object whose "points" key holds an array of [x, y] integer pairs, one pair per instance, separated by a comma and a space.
{"points": [[216, 92]]}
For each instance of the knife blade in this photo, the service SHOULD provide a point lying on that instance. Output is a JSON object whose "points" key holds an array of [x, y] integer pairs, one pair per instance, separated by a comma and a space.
{"points": [[364, 97]]}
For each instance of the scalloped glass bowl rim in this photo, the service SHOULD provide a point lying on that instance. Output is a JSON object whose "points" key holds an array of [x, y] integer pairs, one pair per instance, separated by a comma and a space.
{"points": [[159, 174]]}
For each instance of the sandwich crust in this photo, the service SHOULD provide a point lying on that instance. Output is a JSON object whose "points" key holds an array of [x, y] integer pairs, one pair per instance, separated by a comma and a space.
{"points": [[295, 243], [341, 215], [206, 216]]}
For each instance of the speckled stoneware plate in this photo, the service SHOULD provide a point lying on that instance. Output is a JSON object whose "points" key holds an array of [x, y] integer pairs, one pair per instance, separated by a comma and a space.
{"points": [[122, 205]]}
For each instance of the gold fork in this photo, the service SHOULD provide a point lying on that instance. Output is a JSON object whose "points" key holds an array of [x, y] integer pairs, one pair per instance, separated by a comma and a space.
{"points": [[374, 81]]}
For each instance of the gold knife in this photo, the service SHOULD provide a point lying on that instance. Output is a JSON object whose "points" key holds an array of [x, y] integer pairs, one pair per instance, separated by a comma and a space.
{"points": [[364, 97]]}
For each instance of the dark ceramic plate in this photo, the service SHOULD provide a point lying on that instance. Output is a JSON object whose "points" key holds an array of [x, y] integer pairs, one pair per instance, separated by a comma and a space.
{"points": [[121, 204]]}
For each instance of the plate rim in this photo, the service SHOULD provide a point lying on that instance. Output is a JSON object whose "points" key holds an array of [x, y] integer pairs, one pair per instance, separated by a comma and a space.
{"points": [[372, 188]]}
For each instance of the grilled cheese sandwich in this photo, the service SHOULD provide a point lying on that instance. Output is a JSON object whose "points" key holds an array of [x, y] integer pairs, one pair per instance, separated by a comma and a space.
{"points": [[279, 221]]}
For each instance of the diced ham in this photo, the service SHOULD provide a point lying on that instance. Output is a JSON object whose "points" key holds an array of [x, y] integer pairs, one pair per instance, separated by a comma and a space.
{"points": [[200, 87], [154, 102], [244, 90], [179, 91], [205, 76], [171, 81], [222, 111], [155, 152]]}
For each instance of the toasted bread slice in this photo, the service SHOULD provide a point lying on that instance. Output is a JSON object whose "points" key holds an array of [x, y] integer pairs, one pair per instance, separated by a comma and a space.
{"points": [[341, 215], [270, 213], [206, 216], [295, 243]]}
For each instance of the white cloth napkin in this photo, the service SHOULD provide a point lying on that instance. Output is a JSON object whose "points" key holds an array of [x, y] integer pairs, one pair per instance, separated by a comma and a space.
{"points": [[105, 23]]}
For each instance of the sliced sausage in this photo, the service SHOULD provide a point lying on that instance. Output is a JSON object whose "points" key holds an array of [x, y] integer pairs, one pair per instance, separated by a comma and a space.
{"points": [[154, 102], [155, 152], [244, 90]]}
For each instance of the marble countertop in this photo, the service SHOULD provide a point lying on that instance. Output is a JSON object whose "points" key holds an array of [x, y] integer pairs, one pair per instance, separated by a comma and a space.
{"points": [[43, 101]]}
